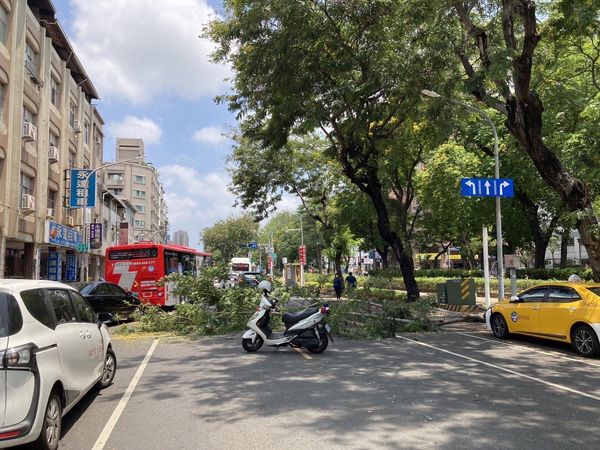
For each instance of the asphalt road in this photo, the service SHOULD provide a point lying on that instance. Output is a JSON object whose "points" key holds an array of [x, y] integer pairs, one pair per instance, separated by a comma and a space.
{"points": [[459, 388]]}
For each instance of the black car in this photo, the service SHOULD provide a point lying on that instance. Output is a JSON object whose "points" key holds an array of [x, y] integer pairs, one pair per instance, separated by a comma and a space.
{"points": [[108, 298], [251, 278]]}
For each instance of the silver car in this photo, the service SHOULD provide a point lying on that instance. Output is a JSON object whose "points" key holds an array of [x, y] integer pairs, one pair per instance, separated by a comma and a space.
{"points": [[53, 351]]}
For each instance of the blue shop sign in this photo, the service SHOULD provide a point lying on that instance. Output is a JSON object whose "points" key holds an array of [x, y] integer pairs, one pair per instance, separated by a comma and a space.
{"points": [[57, 234], [54, 266], [82, 180], [71, 274]]}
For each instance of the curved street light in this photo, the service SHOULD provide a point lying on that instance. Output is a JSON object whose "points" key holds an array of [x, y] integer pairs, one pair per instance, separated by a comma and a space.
{"points": [[83, 270], [499, 251]]}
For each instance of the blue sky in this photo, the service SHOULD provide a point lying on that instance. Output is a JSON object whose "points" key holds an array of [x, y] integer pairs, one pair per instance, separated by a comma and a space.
{"points": [[155, 82]]}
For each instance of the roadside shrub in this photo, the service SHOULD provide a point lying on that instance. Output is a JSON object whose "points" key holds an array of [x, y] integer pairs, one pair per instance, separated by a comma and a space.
{"points": [[367, 319], [555, 274], [537, 274]]}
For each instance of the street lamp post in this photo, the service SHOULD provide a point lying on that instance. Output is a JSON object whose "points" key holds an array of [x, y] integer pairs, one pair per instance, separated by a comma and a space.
{"points": [[302, 245], [271, 252], [83, 270], [499, 251]]}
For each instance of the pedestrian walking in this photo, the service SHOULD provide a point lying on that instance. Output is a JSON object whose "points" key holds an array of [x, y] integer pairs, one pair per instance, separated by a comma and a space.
{"points": [[351, 280], [338, 285]]}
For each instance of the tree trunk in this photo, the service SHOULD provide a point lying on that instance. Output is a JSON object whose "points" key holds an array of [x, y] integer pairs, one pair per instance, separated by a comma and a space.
{"points": [[541, 237], [369, 184], [564, 245], [338, 261], [383, 252], [404, 258]]}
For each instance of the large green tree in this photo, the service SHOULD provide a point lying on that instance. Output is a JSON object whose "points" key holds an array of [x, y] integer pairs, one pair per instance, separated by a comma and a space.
{"points": [[449, 219], [351, 69], [229, 237], [260, 176], [497, 47]]}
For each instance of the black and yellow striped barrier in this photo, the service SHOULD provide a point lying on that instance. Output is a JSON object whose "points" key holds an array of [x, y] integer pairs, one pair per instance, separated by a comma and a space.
{"points": [[457, 292]]}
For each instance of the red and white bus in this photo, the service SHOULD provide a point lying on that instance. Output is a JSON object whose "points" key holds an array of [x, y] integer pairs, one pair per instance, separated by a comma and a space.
{"points": [[138, 267]]}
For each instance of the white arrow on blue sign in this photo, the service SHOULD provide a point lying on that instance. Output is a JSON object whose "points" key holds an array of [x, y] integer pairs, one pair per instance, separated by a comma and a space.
{"points": [[253, 245], [487, 187]]}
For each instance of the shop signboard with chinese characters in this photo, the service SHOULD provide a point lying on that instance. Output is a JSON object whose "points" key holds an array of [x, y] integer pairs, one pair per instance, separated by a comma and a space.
{"points": [[123, 233], [54, 266], [57, 234], [71, 267], [95, 235], [78, 188], [302, 254]]}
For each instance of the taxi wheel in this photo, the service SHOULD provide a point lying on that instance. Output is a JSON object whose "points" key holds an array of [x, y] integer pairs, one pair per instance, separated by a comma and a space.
{"points": [[585, 341], [499, 326]]}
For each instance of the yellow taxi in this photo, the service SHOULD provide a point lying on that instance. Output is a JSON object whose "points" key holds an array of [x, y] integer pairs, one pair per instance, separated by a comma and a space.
{"points": [[567, 312]]}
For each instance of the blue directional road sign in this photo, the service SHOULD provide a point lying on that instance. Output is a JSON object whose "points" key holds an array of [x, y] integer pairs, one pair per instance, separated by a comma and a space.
{"points": [[253, 245], [487, 187]]}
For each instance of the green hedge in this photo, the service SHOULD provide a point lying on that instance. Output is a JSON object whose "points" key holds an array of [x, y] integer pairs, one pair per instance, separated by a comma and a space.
{"points": [[537, 274]]}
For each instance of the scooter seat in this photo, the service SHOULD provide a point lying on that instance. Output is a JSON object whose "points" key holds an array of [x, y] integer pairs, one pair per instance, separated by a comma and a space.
{"points": [[290, 318]]}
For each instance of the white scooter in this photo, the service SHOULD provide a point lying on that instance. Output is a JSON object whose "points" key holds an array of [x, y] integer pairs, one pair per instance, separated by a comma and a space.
{"points": [[306, 329]]}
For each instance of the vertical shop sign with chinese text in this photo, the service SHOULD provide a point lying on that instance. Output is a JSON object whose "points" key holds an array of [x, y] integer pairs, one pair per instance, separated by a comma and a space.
{"points": [[302, 254], [78, 188], [54, 266], [123, 233], [71, 268], [95, 235]]}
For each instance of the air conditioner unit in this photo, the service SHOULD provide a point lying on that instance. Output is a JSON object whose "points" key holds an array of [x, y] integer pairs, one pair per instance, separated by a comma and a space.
{"points": [[50, 213], [27, 203], [76, 126], [70, 221], [53, 154], [29, 131]]}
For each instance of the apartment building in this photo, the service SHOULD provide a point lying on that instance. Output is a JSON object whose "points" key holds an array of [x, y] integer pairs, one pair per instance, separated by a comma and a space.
{"points": [[48, 125], [137, 182], [181, 237]]}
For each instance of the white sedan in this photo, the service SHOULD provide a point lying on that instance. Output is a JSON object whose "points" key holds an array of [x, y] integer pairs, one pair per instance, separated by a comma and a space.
{"points": [[53, 351]]}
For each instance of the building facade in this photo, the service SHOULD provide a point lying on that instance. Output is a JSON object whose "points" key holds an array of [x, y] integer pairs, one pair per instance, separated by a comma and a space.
{"points": [[577, 254], [181, 237], [137, 182], [48, 125]]}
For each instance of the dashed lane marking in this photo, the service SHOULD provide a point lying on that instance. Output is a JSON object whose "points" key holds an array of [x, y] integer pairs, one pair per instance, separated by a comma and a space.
{"points": [[302, 352]]}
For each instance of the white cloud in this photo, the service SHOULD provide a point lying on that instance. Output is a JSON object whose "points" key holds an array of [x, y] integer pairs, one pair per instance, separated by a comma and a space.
{"points": [[288, 202], [210, 135], [143, 48], [136, 127], [196, 201]]}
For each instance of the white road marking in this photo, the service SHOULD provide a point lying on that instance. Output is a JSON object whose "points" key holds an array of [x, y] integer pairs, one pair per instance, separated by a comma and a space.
{"points": [[302, 352], [112, 421], [504, 369], [529, 349]]}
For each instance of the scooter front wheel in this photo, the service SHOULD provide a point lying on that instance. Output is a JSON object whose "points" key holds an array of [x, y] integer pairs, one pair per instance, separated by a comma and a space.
{"points": [[249, 346], [322, 346]]}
